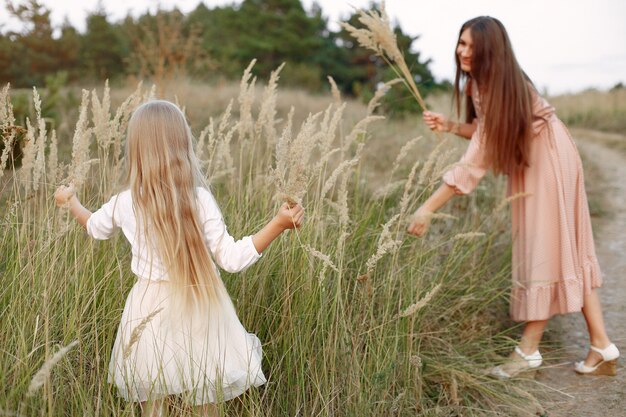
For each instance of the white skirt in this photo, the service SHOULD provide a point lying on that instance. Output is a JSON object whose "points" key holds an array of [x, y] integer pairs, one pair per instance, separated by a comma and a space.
{"points": [[206, 361]]}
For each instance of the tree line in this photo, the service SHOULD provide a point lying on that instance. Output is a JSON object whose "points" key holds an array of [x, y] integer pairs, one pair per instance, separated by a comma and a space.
{"points": [[205, 44]]}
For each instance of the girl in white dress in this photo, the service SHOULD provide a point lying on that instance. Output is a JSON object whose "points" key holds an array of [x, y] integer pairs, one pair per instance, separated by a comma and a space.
{"points": [[179, 332]]}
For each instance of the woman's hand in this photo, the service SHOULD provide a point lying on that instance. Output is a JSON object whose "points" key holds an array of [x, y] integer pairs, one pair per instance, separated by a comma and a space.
{"points": [[436, 121], [420, 222], [290, 217], [63, 194]]}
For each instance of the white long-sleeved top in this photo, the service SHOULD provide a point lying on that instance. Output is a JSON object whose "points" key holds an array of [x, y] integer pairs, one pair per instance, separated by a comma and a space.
{"points": [[118, 212]]}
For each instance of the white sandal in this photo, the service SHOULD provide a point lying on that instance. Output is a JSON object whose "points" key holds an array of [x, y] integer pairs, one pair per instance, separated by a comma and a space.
{"points": [[607, 366], [527, 363]]}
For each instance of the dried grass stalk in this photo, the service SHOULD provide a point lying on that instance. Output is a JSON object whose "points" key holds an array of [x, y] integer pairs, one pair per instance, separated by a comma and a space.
{"points": [[44, 372], [8, 130], [505, 202], [80, 146], [467, 236], [386, 244], [53, 159], [334, 90], [388, 189], [380, 93], [408, 188], [404, 151], [413, 308], [293, 168], [136, 333], [40, 159], [329, 128], [321, 256], [266, 120], [246, 100], [101, 111], [378, 36], [343, 167], [430, 162], [29, 153], [120, 122]]}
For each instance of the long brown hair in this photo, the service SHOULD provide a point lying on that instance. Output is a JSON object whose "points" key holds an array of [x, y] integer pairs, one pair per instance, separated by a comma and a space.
{"points": [[505, 93], [163, 174]]}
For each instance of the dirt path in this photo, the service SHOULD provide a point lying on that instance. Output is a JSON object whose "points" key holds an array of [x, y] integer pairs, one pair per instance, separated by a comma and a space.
{"points": [[567, 394]]}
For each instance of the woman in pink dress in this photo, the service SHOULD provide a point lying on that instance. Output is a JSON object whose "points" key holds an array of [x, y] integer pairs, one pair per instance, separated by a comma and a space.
{"points": [[515, 132]]}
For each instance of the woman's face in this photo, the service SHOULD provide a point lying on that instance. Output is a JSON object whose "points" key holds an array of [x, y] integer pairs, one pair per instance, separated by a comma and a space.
{"points": [[464, 50]]}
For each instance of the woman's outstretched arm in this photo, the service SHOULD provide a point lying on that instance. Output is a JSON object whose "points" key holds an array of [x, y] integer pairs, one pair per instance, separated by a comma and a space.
{"points": [[421, 218]]}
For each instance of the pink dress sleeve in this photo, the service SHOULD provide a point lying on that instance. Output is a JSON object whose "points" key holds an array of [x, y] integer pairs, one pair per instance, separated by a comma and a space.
{"points": [[472, 167]]}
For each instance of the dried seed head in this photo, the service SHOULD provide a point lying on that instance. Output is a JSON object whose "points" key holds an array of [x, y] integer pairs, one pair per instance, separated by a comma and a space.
{"points": [[44, 372]]}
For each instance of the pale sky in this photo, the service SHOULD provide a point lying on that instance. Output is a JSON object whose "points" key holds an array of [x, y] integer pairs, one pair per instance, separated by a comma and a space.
{"points": [[563, 45]]}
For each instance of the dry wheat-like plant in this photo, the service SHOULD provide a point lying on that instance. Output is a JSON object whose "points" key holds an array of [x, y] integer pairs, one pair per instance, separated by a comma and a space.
{"points": [[408, 189], [506, 201], [136, 333], [334, 90], [53, 159], [246, 100], [119, 123], [321, 256], [44, 372], [468, 236], [378, 36], [427, 169], [266, 120], [386, 244], [413, 308], [80, 146], [329, 127], [29, 153], [387, 189], [8, 130], [40, 158], [293, 169], [380, 93], [343, 167], [101, 119]]}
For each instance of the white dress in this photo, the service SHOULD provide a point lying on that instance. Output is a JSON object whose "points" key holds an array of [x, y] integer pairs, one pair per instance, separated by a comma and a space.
{"points": [[211, 359]]}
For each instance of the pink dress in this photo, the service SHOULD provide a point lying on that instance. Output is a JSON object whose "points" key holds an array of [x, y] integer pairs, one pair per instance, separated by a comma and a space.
{"points": [[554, 260]]}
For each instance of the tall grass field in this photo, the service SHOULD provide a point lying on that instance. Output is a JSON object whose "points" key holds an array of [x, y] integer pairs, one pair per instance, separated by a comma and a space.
{"points": [[356, 317]]}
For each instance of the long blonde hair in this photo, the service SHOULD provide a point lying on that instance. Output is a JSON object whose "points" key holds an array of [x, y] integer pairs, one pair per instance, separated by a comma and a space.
{"points": [[505, 91], [163, 174]]}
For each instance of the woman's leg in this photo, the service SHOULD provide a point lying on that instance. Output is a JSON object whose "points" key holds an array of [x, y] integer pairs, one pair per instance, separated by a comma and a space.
{"points": [[528, 345], [207, 410], [533, 331], [154, 408], [592, 311]]}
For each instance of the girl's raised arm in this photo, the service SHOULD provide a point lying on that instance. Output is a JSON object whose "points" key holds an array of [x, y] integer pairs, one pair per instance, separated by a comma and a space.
{"points": [[286, 218], [66, 195]]}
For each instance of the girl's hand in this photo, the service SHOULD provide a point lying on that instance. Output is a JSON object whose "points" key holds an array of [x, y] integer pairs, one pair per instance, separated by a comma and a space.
{"points": [[290, 218], [420, 222], [63, 194], [436, 121]]}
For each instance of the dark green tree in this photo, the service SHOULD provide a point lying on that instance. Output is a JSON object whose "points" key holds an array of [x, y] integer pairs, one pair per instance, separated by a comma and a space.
{"points": [[35, 52], [104, 47], [69, 44]]}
